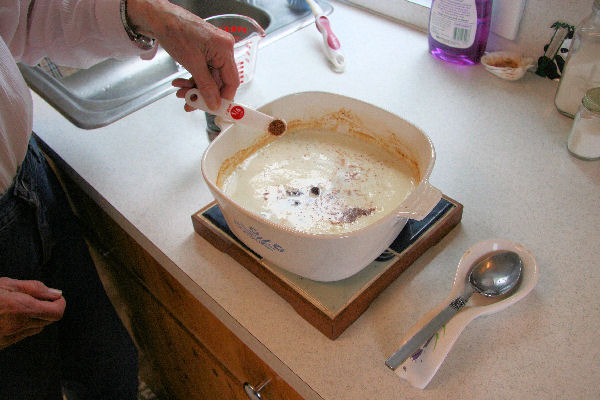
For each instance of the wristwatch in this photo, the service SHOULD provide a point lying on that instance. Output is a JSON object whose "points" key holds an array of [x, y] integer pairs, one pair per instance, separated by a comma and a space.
{"points": [[142, 41]]}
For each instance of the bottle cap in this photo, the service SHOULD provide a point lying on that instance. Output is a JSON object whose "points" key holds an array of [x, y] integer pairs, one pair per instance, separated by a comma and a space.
{"points": [[591, 100]]}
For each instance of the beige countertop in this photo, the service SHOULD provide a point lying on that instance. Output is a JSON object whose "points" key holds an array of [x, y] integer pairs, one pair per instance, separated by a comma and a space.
{"points": [[501, 152]]}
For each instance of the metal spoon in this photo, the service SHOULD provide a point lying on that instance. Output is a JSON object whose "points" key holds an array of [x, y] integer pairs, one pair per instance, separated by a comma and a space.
{"points": [[493, 276]]}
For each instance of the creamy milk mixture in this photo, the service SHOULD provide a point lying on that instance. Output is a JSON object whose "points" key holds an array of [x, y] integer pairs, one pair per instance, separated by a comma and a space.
{"points": [[321, 182]]}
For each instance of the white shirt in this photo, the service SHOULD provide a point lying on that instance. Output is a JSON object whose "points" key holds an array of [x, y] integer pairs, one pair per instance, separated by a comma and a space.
{"points": [[75, 33]]}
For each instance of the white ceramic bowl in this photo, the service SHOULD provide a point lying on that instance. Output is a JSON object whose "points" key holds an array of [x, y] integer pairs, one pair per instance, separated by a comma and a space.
{"points": [[325, 257]]}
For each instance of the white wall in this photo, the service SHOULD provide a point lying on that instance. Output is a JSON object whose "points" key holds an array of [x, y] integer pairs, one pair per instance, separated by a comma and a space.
{"points": [[535, 31]]}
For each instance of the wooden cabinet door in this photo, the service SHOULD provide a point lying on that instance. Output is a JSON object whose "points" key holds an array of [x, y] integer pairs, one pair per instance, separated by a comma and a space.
{"points": [[181, 367], [190, 353]]}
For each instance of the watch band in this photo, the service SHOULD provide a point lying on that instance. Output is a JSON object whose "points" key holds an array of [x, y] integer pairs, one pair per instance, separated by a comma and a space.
{"points": [[142, 41]]}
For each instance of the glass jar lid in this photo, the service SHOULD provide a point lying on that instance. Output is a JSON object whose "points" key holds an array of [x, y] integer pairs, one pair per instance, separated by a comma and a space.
{"points": [[591, 100]]}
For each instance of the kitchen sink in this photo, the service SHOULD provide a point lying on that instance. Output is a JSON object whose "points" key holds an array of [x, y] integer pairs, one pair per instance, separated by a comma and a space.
{"points": [[112, 89]]}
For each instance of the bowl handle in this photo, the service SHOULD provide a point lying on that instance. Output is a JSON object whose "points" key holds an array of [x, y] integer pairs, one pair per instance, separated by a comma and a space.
{"points": [[420, 202]]}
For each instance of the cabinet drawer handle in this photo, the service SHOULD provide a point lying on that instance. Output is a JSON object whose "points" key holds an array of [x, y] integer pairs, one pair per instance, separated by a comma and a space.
{"points": [[254, 394]]}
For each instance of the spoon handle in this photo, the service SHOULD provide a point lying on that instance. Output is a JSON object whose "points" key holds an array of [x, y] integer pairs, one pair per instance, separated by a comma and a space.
{"points": [[410, 346], [230, 111]]}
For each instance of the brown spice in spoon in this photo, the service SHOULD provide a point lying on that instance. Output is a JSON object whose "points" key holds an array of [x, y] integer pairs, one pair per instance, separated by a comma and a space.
{"points": [[277, 127]]}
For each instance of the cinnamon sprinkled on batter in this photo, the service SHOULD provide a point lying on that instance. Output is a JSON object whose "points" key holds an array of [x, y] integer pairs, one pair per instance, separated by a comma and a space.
{"points": [[352, 214]]}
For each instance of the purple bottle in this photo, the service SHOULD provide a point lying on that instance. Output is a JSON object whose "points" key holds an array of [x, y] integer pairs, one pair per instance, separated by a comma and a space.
{"points": [[459, 29]]}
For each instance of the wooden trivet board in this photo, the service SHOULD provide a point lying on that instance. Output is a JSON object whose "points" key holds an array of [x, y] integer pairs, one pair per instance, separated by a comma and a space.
{"points": [[331, 307]]}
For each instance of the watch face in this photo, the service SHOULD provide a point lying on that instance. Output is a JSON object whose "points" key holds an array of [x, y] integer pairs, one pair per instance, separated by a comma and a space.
{"points": [[142, 41]]}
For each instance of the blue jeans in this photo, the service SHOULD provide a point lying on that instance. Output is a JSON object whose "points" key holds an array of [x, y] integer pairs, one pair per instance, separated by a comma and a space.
{"points": [[88, 348]]}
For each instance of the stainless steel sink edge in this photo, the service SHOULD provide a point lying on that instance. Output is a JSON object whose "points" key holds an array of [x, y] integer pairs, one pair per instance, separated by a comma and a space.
{"points": [[300, 19], [91, 113]]}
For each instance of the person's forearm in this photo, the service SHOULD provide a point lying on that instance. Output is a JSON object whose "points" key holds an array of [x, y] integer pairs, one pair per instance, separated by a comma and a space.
{"points": [[203, 49], [151, 17]]}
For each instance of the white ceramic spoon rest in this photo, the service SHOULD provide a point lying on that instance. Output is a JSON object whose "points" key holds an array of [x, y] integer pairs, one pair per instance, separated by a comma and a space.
{"points": [[419, 369]]}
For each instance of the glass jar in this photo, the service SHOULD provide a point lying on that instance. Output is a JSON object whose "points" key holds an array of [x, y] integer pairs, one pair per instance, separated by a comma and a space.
{"points": [[582, 68], [584, 139]]}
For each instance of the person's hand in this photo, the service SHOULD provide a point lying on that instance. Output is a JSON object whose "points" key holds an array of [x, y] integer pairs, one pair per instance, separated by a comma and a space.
{"points": [[26, 307], [203, 49]]}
